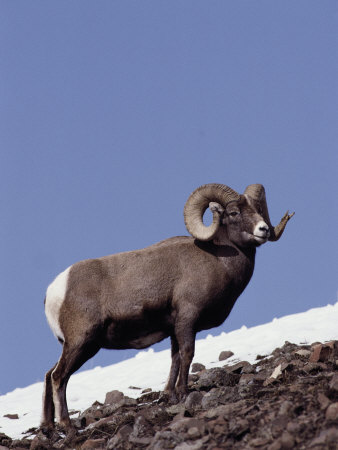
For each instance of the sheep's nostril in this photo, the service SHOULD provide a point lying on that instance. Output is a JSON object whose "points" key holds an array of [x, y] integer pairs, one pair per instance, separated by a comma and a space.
{"points": [[265, 230]]}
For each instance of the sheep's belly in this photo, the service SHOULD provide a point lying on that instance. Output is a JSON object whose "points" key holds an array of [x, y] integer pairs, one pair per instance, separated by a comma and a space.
{"points": [[123, 342]]}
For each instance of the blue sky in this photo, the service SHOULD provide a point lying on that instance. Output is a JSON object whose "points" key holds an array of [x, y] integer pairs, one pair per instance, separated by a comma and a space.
{"points": [[112, 112]]}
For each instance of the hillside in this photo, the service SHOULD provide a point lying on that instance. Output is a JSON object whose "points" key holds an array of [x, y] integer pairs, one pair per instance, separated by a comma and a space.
{"points": [[284, 399]]}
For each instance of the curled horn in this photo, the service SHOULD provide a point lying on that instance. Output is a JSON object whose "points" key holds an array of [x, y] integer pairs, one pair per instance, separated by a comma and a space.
{"points": [[198, 202], [257, 193]]}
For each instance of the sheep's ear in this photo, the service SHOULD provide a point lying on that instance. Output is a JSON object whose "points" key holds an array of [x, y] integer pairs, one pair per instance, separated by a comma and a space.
{"points": [[216, 208]]}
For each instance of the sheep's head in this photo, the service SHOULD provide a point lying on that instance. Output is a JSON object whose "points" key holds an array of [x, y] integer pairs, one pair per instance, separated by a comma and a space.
{"points": [[243, 218]]}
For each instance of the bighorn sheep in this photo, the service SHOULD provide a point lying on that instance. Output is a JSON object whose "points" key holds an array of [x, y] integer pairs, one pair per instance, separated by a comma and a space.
{"points": [[174, 288]]}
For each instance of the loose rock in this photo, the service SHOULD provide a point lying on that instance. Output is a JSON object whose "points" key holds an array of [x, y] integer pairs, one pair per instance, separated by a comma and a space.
{"points": [[225, 355], [288, 400], [197, 367]]}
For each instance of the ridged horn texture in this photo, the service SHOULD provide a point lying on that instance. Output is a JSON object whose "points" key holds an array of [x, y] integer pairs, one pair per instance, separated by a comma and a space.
{"points": [[198, 202], [257, 193]]}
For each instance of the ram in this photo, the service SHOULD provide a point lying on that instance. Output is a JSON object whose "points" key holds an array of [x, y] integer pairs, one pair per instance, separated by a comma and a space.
{"points": [[174, 288]]}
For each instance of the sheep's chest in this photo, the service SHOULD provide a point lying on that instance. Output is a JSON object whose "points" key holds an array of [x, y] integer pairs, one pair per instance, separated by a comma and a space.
{"points": [[237, 272]]}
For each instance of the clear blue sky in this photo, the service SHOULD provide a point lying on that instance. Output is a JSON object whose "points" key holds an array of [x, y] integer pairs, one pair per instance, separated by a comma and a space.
{"points": [[112, 112]]}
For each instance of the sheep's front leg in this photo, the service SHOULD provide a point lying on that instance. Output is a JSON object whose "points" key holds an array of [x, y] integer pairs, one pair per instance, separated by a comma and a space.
{"points": [[186, 342], [174, 370]]}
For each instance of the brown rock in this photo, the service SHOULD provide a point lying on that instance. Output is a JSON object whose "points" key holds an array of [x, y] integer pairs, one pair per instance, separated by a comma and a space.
{"points": [[333, 385], [140, 440], [145, 391], [211, 399], [40, 442], [175, 409], [125, 431], [262, 375], [239, 367], [217, 377], [93, 444], [197, 367], [294, 427], [315, 355], [287, 441], [239, 427], [113, 397], [11, 416], [20, 445], [90, 415], [276, 445], [334, 346], [246, 378], [121, 438], [193, 400], [285, 407], [218, 427], [332, 412], [259, 442], [323, 400], [212, 413], [303, 353], [322, 352], [225, 355], [115, 443], [329, 436], [141, 427], [192, 378], [97, 424], [193, 433], [157, 415], [278, 426], [314, 367], [165, 439], [259, 357], [269, 381], [149, 397]]}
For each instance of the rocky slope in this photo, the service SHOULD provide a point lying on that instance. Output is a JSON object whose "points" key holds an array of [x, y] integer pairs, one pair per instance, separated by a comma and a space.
{"points": [[287, 400]]}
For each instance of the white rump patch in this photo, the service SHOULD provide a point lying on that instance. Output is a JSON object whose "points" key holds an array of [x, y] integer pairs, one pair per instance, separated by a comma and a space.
{"points": [[55, 296]]}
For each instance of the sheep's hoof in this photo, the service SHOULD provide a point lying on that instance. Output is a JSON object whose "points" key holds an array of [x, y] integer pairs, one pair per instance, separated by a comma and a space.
{"points": [[169, 397], [66, 438], [48, 433], [67, 428], [47, 429], [182, 394], [173, 399], [164, 397], [71, 433]]}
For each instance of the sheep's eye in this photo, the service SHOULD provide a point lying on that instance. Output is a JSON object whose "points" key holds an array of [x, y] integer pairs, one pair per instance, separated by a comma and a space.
{"points": [[234, 213]]}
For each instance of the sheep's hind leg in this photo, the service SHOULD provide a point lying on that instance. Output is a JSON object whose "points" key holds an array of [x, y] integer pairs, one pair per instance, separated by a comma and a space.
{"points": [[174, 370], [48, 410], [72, 358]]}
